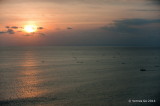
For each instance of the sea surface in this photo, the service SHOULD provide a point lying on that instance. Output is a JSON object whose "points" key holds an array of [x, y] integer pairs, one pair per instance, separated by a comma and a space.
{"points": [[79, 76]]}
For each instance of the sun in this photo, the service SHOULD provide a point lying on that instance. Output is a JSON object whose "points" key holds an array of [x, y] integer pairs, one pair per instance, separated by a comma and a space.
{"points": [[30, 28]]}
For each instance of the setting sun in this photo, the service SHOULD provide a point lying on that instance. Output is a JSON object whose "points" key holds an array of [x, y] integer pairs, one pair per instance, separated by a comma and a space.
{"points": [[30, 28]]}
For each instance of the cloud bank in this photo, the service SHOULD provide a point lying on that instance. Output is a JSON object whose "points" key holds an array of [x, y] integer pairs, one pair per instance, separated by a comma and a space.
{"points": [[132, 26]]}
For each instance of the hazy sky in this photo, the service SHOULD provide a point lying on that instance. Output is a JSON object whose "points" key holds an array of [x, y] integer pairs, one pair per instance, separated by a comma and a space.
{"points": [[80, 22]]}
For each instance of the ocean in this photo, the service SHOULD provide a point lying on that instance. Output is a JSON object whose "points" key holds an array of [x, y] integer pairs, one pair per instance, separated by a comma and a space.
{"points": [[79, 76]]}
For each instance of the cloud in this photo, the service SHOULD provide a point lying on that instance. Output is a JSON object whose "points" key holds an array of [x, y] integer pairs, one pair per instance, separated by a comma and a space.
{"points": [[156, 2], [131, 26], [14, 27], [137, 21], [41, 34], [135, 32], [2, 32], [69, 28], [147, 10], [17, 29], [40, 28], [7, 27], [10, 31]]}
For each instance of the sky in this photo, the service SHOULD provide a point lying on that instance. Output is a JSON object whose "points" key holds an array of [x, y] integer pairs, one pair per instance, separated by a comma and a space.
{"points": [[80, 22]]}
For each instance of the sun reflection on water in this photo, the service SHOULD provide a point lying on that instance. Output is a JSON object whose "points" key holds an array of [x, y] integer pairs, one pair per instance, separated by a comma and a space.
{"points": [[29, 86]]}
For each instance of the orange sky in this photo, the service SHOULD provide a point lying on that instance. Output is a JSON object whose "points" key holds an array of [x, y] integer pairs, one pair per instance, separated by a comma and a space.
{"points": [[67, 18]]}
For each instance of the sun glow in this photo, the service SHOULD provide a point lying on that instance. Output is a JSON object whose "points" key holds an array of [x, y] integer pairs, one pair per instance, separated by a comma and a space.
{"points": [[30, 28]]}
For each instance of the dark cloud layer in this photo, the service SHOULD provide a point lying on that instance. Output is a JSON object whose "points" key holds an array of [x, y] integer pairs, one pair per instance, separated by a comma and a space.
{"points": [[137, 21], [135, 32], [143, 10], [131, 26], [157, 2]]}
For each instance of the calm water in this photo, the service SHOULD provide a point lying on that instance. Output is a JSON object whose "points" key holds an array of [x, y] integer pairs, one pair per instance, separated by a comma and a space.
{"points": [[79, 76]]}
